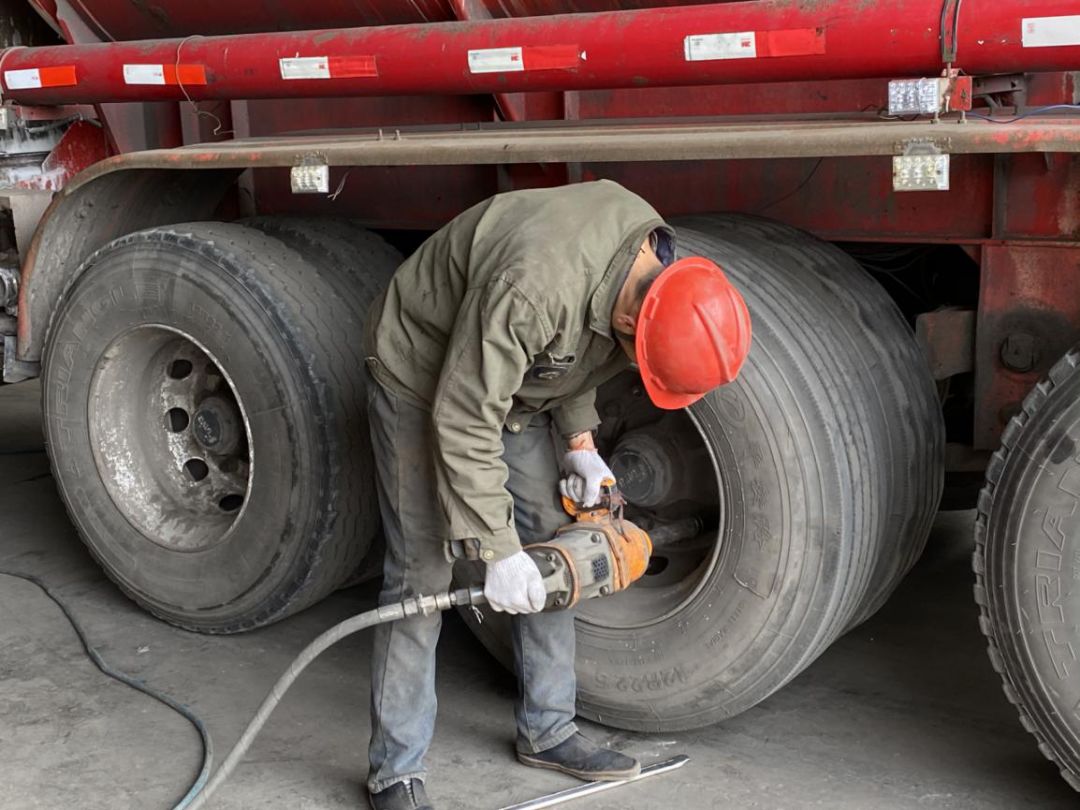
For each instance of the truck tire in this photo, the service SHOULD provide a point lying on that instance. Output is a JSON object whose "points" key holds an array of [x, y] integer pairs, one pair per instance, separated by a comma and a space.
{"points": [[356, 261], [359, 265], [206, 424], [1027, 561], [825, 465]]}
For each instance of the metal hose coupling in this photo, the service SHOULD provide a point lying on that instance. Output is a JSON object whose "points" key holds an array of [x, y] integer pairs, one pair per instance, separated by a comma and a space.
{"points": [[422, 605]]}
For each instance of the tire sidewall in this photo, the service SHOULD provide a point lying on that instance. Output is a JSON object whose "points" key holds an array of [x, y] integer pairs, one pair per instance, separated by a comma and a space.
{"points": [[706, 661], [1032, 567], [161, 278]]}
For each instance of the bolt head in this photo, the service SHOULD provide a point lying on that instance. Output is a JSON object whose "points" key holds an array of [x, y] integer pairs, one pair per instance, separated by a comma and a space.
{"points": [[1020, 352]]}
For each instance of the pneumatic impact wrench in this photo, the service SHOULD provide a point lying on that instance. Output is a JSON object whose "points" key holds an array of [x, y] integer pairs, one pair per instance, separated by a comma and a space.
{"points": [[599, 553]]}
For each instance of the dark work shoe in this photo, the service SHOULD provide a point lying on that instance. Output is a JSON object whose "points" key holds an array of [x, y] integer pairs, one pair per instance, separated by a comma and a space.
{"points": [[580, 757], [407, 795]]}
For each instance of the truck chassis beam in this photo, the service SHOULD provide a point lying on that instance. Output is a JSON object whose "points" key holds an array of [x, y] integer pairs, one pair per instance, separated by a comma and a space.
{"points": [[615, 141]]}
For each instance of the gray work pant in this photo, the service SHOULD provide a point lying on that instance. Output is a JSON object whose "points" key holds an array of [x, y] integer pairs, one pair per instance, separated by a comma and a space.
{"points": [[403, 700]]}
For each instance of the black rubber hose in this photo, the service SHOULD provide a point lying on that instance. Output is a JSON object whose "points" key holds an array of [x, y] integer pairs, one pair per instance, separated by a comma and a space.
{"points": [[99, 662]]}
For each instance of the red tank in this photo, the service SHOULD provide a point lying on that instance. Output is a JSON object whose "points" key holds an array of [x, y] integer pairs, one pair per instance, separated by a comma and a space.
{"points": [[108, 20]]}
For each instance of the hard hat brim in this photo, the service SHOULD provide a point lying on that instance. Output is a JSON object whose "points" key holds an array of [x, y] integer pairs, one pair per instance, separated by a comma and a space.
{"points": [[667, 400]]}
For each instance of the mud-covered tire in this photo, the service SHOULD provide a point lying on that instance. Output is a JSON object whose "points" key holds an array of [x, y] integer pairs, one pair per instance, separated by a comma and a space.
{"points": [[827, 454], [1027, 563], [254, 320]]}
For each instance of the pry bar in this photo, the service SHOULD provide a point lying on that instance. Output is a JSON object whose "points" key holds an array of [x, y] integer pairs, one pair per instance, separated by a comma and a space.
{"points": [[592, 788]]}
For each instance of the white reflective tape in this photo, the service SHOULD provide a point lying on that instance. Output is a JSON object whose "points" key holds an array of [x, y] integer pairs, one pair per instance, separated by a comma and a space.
{"points": [[144, 74], [496, 60], [305, 67], [22, 79], [1050, 32], [706, 47]]}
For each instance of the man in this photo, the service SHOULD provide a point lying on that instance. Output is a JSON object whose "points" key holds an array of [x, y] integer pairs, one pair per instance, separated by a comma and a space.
{"points": [[493, 336]]}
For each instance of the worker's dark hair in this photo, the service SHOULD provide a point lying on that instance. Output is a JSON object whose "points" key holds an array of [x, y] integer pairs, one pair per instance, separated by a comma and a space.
{"points": [[664, 250]]}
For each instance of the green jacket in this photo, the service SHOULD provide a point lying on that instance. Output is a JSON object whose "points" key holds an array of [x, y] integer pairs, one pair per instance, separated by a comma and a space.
{"points": [[502, 314]]}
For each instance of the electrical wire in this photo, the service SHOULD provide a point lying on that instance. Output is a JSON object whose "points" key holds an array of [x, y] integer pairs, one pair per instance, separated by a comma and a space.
{"points": [[794, 191], [1028, 114], [99, 662], [948, 46], [204, 787]]}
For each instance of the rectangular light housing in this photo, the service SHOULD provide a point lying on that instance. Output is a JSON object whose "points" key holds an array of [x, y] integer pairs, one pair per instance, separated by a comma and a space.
{"points": [[920, 172], [930, 96], [916, 96], [310, 179]]}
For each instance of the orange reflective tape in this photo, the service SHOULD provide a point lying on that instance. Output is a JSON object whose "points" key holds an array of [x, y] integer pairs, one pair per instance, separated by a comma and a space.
{"points": [[551, 57], [184, 74], [352, 67], [791, 42], [58, 76]]}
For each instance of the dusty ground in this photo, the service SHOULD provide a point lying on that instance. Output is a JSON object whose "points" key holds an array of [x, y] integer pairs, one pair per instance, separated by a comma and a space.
{"points": [[904, 712]]}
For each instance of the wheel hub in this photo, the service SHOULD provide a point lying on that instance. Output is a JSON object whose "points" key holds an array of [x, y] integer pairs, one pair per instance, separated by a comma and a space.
{"points": [[644, 469], [217, 426], [672, 486]]}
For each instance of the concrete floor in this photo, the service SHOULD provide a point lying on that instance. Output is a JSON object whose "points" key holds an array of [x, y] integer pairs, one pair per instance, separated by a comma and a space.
{"points": [[904, 712]]}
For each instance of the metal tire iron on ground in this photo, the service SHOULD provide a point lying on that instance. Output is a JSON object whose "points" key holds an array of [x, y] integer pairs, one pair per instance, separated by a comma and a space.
{"points": [[600, 553]]}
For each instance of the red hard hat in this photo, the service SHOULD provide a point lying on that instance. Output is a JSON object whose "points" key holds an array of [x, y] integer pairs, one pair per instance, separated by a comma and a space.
{"points": [[693, 333]]}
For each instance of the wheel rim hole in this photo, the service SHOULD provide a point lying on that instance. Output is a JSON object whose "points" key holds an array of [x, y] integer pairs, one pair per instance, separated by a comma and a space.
{"points": [[178, 419], [230, 503], [179, 369], [197, 469], [657, 565]]}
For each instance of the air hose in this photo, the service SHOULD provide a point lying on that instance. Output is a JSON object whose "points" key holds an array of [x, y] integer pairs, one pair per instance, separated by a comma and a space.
{"points": [[204, 786], [200, 794], [598, 554]]}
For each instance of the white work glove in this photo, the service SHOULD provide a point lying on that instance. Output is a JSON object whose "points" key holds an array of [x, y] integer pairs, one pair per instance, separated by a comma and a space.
{"points": [[514, 585], [587, 466]]}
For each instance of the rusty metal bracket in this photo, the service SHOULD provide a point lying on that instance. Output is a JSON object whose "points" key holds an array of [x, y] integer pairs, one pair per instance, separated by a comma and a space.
{"points": [[947, 339], [16, 370]]}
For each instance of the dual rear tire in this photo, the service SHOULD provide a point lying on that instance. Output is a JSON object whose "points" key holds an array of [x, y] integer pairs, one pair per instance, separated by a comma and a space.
{"points": [[206, 422], [824, 462], [205, 415]]}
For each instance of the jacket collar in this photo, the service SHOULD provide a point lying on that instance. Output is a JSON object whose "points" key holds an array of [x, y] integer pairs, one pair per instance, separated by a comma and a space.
{"points": [[607, 293]]}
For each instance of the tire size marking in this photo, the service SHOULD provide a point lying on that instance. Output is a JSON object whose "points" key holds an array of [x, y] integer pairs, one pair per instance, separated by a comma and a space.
{"points": [[651, 682], [1048, 590], [730, 621]]}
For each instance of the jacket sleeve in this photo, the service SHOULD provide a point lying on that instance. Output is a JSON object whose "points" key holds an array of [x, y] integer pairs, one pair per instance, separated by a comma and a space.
{"points": [[496, 335], [576, 414]]}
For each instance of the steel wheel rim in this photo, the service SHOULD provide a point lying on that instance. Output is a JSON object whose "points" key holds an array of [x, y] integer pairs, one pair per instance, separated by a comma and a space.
{"points": [[662, 595], [170, 438]]}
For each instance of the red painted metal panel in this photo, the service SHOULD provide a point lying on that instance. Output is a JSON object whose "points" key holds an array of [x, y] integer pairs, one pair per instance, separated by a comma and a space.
{"points": [[649, 47], [1040, 196], [838, 198], [1029, 315]]}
